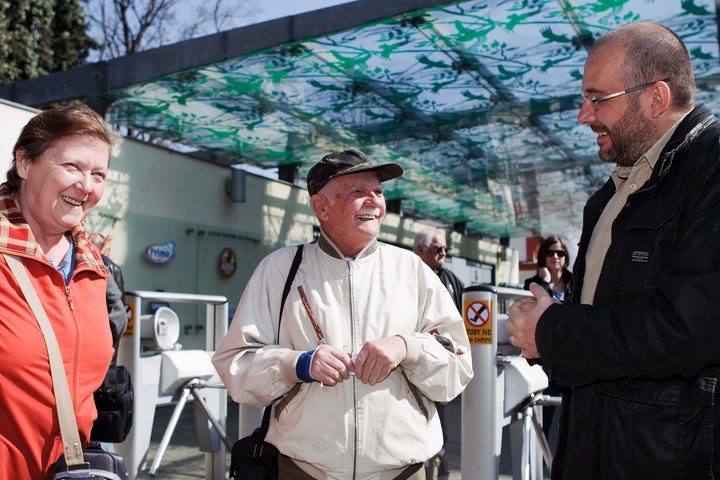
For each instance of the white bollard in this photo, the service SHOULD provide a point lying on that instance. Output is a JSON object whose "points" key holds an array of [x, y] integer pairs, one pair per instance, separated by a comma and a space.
{"points": [[481, 431]]}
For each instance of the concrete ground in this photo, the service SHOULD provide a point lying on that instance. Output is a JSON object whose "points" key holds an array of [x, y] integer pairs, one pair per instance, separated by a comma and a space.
{"points": [[183, 461]]}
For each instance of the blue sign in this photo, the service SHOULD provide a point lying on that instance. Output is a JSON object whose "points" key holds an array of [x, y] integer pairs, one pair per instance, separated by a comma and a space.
{"points": [[160, 252]]}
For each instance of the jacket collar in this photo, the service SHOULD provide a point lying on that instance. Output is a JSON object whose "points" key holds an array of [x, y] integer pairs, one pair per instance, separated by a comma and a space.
{"points": [[17, 238], [689, 129], [327, 246], [692, 126]]}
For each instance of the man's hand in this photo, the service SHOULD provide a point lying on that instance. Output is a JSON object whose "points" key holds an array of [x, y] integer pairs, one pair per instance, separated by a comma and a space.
{"points": [[524, 315], [330, 365], [377, 358]]}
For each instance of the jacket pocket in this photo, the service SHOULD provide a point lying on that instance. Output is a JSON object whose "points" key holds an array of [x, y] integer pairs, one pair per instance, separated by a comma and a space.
{"points": [[285, 405], [657, 429], [645, 244], [422, 408]]}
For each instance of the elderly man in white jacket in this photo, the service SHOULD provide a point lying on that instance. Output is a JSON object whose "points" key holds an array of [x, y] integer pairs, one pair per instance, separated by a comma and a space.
{"points": [[366, 346]]}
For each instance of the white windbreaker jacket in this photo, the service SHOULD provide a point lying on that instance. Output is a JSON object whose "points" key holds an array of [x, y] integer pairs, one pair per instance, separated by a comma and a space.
{"points": [[351, 430]]}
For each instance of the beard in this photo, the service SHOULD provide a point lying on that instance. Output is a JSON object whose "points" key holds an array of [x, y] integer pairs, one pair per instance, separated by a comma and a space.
{"points": [[632, 136]]}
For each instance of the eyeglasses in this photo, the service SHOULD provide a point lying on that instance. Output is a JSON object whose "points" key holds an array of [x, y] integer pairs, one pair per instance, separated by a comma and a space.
{"points": [[596, 101], [441, 249], [556, 253]]}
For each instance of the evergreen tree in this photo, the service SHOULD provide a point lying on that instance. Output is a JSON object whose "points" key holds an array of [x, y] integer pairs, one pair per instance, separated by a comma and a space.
{"points": [[41, 36]]}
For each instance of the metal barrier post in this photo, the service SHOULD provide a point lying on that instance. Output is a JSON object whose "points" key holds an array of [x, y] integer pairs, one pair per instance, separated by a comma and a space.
{"points": [[505, 391], [481, 433], [216, 326]]}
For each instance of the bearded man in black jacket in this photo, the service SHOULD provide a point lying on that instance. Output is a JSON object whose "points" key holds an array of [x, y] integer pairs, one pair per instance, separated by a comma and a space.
{"points": [[638, 351]]}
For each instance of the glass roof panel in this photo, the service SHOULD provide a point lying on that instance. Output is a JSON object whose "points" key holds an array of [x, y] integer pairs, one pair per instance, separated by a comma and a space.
{"points": [[476, 99], [524, 50]]}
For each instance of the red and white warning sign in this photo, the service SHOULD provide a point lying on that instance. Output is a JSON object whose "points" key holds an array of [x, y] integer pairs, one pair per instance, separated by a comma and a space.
{"points": [[478, 313], [478, 321]]}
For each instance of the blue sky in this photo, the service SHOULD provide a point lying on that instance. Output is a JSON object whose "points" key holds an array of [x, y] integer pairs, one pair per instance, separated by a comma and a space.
{"points": [[270, 9]]}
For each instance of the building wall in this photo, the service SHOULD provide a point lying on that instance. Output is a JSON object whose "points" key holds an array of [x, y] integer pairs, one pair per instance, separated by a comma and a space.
{"points": [[12, 118]]}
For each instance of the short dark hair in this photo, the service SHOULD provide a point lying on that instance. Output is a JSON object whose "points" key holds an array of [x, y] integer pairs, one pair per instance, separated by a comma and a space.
{"points": [[47, 127], [545, 246], [654, 52]]}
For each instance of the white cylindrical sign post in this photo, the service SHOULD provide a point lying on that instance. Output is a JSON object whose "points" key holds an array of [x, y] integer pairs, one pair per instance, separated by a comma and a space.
{"points": [[480, 447]]}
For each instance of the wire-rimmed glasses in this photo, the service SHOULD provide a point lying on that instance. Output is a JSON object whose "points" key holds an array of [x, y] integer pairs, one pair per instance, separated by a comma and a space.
{"points": [[596, 101]]}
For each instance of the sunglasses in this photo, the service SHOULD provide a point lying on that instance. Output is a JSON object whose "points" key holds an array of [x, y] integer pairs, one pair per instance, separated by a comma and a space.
{"points": [[441, 249], [553, 253]]}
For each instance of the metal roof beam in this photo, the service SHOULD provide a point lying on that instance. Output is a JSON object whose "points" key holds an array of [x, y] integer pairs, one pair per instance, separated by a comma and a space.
{"points": [[506, 98], [103, 77]]}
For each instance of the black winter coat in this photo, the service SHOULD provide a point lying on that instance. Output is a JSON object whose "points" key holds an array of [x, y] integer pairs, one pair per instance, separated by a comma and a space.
{"points": [[640, 367], [453, 284]]}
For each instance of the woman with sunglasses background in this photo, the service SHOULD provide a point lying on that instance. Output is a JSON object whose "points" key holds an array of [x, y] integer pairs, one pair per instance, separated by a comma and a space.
{"points": [[553, 274]]}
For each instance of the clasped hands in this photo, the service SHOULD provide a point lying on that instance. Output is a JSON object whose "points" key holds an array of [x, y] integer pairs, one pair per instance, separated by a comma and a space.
{"points": [[524, 316], [374, 362]]}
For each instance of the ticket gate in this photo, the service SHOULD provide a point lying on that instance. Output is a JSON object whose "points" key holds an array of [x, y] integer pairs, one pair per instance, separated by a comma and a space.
{"points": [[162, 372]]}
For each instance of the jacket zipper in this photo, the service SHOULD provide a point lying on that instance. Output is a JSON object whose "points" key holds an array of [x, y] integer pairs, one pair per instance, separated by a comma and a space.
{"points": [[77, 339], [354, 379], [69, 297]]}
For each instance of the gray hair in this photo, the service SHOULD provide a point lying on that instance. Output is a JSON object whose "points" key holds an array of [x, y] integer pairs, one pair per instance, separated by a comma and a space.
{"points": [[423, 238]]}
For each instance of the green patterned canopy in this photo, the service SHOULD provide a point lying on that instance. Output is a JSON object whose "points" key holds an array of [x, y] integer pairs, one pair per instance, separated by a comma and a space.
{"points": [[476, 99]]}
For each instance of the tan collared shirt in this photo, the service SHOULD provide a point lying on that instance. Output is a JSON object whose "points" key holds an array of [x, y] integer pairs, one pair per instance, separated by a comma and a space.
{"points": [[627, 180]]}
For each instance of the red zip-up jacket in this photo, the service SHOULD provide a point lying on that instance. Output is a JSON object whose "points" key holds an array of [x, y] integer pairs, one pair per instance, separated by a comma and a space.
{"points": [[30, 441]]}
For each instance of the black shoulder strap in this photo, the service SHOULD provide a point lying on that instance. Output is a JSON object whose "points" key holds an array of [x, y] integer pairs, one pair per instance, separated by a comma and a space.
{"points": [[288, 283]]}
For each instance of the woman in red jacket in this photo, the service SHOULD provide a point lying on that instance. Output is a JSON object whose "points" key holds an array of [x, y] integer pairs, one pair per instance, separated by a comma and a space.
{"points": [[57, 176]]}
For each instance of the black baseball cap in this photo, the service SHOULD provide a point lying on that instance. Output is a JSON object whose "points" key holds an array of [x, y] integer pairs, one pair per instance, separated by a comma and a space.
{"points": [[345, 163]]}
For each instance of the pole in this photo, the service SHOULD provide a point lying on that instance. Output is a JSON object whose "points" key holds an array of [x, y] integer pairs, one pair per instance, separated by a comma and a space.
{"points": [[480, 447]]}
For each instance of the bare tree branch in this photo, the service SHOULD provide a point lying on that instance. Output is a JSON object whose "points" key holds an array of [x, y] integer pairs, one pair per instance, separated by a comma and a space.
{"points": [[121, 27]]}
